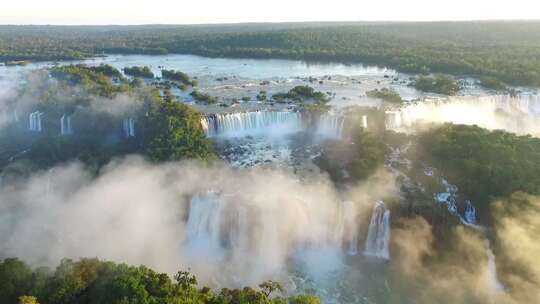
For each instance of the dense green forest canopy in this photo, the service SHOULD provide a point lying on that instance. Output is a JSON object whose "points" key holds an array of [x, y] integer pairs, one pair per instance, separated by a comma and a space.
{"points": [[93, 281], [484, 164], [505, 52]]}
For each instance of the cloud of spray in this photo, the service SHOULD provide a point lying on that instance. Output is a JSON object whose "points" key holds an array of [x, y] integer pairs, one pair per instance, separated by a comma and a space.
{"points": [[518, 115], [8, 90], [246, 231], [252, 225], [121, 104], [465, 271], [25, 92], [517, 229]]}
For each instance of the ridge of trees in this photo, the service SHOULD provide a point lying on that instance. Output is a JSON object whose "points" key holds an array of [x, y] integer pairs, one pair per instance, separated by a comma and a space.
{"points": [[507, 52], [90, 281]]}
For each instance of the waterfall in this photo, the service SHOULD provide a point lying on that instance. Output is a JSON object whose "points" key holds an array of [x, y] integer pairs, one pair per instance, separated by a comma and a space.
{"points": [[35, 121], [65, 125], [378, 239], [470, 213], [331, 126], [393, 119], [246, 123], [350, 233], [203, 226], [518, 114], [207, 124], [128, 127], [492, 280], [222, 226], [364, 122]]}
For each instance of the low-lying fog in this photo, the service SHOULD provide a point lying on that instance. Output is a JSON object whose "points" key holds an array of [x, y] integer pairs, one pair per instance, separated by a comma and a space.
{"points": [[234, 227]]}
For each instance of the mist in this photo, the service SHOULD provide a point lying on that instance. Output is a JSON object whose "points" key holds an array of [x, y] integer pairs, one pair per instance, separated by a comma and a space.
{"points": [[519, 115], [138, 213], [8, 90], [178, 215]]}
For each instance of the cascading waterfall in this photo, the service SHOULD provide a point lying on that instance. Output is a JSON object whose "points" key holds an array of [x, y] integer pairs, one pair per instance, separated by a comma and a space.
{"points": [[204, 222], [224, 226], [364, 122], [128, 127], [470, 213], [492, 280], [35, 121], [245, 123], [331, 125], [65, 125], [350, 227], [378, 239], [393, 119], [518, 114]]}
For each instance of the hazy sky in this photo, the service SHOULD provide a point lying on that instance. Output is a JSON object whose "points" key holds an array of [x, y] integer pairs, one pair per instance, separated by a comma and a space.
{"points": [[224, 11]]}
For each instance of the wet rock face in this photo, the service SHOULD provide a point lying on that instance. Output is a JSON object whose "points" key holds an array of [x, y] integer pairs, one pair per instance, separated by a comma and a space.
{"points": [[293, 152], [253, 151]]}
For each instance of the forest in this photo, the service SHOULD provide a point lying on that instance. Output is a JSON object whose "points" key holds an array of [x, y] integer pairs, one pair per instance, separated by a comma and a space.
{"points": [[484, 164], [93, 281], [500, 53]]}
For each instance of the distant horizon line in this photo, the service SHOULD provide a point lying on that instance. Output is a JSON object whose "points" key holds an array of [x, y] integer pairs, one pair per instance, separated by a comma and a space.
{"points": [[274, 22]]}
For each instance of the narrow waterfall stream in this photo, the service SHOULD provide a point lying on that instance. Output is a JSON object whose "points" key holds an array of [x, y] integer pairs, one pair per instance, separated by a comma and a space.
{"points": [[378, 238], [493, 282]]}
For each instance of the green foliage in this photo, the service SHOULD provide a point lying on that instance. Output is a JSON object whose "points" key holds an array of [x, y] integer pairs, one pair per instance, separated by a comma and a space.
{"points": [[439, 84], [28, 300], [262, 96], [492, 83], [385, 94], [15, 280], [304, 299], [484, 163], [301, 94], [136, 71], [178, 76], [360, 157], [203, 97], [270, 287], [104, 69], [174, 132], [90, 281], [507, 51], [369, 155], [94, 80]]}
